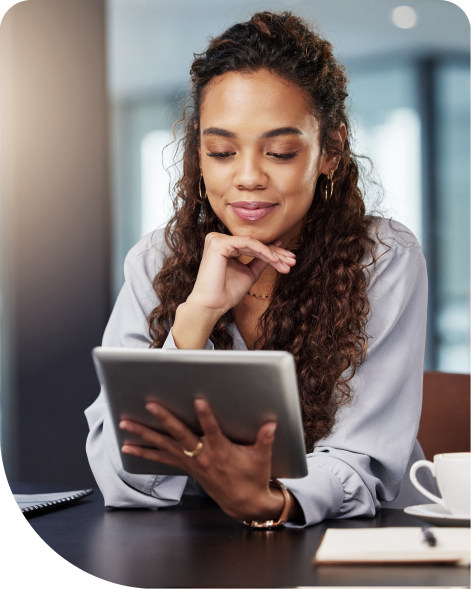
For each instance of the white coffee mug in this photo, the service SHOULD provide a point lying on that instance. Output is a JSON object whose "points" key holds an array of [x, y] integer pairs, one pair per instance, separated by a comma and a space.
{"points": [[452, 472]]}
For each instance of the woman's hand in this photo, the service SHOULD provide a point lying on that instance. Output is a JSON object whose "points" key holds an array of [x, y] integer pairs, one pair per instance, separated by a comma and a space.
{"points": [[222, 282], [236, 477]]}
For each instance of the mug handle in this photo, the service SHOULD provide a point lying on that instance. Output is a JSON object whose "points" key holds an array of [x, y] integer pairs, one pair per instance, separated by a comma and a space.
{"points": [[413, 477]]}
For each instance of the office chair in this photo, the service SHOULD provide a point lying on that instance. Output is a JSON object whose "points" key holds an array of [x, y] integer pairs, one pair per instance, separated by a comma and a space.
{"points": [[445, 421]]}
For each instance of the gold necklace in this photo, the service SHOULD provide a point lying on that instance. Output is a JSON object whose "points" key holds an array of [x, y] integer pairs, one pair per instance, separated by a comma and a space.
{"points": [[252, 294]]}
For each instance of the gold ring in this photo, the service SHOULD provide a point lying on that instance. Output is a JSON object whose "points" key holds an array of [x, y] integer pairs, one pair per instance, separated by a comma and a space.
{"points": [[196, 451]]}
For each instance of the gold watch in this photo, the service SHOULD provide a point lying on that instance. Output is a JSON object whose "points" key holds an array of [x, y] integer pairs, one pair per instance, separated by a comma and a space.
{"points": [[270, 523]]}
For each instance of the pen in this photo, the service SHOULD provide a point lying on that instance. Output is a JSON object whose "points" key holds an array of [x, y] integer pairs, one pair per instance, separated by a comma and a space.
{"points": [[429, 537]]}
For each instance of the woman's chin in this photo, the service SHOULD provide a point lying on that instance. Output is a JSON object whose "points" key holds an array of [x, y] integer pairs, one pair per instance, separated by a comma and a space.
{"points": [[259, 234], [264, 233]]}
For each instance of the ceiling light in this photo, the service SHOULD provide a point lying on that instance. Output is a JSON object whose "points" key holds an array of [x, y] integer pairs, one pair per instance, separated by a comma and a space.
{"points": [[404, 17]]}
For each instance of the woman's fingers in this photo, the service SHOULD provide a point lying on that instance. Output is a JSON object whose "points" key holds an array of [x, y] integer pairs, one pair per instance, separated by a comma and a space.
{"points": [[160, 441], [178, 430], [281, 259], [209, 423], [256, 249], [283, 265], [276, 247], [265, 438], [234, 246], [287, 258], [283, 254], [149, 454]]}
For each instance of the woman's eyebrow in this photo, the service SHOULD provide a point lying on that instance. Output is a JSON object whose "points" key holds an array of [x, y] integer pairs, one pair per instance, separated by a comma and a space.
{"points": [[267, 135], [220, 132], [282, 131]]}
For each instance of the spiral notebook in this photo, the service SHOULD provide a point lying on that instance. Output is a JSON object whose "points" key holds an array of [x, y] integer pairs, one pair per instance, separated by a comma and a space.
{"points": [[46, 501]]}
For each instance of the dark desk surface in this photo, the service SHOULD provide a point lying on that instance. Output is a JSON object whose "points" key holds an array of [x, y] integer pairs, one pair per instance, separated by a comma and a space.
{"points": [[196, 545]]}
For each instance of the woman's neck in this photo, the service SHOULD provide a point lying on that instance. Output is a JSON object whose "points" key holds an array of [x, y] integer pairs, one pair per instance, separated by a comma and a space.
{"points": [[266, 283]]}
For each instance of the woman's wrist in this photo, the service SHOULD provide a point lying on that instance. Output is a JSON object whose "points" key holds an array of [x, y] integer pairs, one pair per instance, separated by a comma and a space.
{"points": [[295, 511], [271, 507], [193, 325]]}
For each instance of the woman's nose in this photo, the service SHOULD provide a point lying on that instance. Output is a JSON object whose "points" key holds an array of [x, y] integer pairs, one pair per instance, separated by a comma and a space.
{"points": [[250, 174]]}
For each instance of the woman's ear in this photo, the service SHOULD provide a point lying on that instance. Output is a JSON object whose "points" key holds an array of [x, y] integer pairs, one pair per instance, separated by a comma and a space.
{"points": [[331, 161]]}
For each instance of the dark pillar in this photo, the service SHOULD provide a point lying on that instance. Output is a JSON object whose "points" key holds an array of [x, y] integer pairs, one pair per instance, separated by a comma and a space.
{"points": [[54, 226], [427, 69]]}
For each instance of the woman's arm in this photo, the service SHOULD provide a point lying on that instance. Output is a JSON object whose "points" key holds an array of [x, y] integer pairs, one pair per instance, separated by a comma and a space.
{"points": [[127, 327], [222, 282], [120, 488], [363, 461]]}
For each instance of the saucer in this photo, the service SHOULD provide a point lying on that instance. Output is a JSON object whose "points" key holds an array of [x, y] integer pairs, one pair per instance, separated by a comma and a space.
{"points": [[437, 515]]}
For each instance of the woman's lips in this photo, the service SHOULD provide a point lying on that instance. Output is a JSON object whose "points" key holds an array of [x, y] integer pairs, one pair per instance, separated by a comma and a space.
{"points": [[253, 210]]}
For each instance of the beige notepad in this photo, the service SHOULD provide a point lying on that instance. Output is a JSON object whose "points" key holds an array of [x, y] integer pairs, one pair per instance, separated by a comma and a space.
{"points": [[393, 545]]}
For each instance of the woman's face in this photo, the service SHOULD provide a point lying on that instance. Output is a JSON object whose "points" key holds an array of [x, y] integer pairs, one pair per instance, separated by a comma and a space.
{"points": [[260, 154]]}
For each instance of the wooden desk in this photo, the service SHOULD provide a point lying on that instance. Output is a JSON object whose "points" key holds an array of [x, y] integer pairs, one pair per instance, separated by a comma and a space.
{"points": [[196, 545]]}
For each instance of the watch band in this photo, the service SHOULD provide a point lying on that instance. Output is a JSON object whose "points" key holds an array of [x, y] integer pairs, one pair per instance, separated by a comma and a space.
{"points": [[268, 524]]}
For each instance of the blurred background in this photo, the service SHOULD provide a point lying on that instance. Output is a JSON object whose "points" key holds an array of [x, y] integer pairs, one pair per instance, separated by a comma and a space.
{"points": [[90, 90]]}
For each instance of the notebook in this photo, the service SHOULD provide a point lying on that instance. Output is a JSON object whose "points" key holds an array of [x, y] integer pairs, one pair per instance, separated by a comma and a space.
{"points": [[44, 501], [393, 545]]}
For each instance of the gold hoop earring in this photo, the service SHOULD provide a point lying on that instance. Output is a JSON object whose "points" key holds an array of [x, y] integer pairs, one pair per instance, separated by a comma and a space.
{"points": [[201, 196], [328, 196]]}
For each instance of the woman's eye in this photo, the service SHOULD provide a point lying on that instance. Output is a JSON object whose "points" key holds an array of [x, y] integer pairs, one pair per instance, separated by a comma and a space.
{"points": [[283, 156], [220, 154]]}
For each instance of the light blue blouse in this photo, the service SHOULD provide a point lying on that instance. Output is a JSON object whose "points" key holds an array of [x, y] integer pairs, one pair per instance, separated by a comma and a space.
{"points": [[364, 462]]}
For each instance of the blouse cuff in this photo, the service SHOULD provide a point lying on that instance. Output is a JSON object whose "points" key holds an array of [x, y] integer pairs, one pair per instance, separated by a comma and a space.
{"points": [[332, 489], [123, 489], [169, 343], [320, 495]]}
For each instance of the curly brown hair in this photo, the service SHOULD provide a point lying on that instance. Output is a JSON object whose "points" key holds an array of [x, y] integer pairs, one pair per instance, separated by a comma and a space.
{"points": [[319, 310]]}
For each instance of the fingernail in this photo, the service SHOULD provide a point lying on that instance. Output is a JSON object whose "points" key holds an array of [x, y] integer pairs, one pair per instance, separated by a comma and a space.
{"points": [[126, 450], [153, 408], [125, 425], [200, 404], [270, 430]]}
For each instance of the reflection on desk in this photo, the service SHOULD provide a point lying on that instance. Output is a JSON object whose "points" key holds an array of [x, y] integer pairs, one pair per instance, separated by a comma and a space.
{"points": [[196, 545]]}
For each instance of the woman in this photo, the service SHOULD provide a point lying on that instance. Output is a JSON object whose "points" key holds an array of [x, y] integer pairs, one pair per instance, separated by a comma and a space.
{"points": [[270, 248]]}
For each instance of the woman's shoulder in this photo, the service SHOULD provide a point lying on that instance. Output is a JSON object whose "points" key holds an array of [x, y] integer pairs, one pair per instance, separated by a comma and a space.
{"points": [[397, 259], [148, 254], [392, 238]]}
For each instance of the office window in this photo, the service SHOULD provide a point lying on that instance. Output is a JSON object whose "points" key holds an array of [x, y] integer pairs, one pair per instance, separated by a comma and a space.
{"points": [[387, 127], [157, 151], [140, 129], [453, 213]]}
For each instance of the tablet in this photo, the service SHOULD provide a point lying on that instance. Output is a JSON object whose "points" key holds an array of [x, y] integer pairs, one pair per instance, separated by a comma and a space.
{"points": [[245, 389]]}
